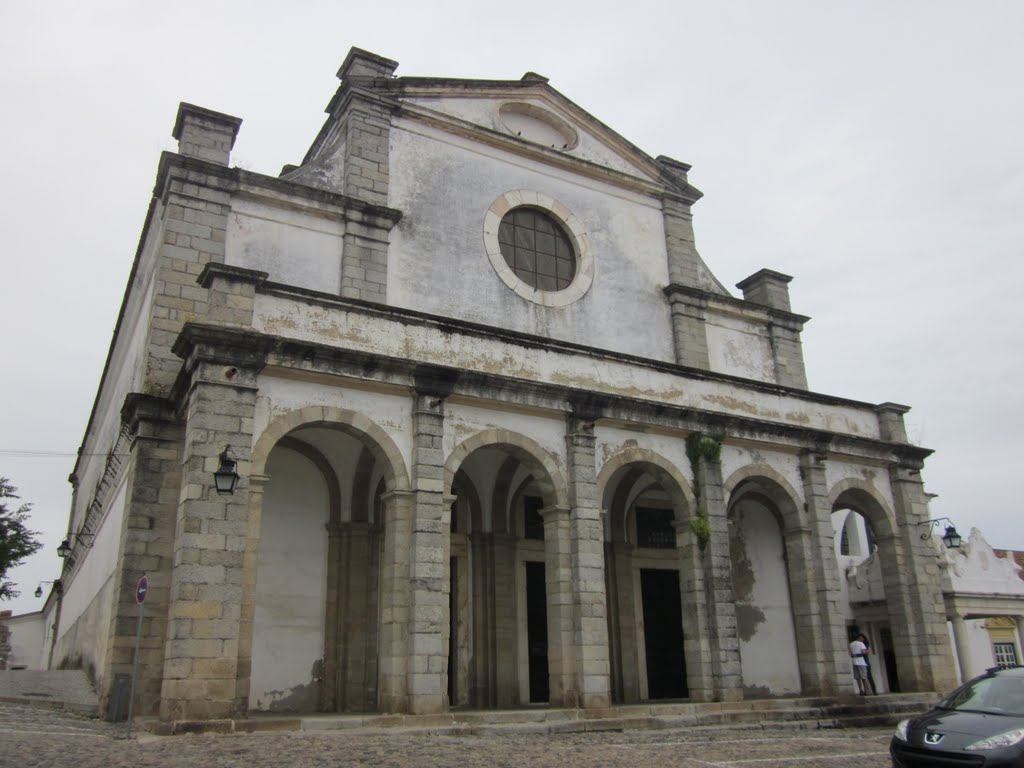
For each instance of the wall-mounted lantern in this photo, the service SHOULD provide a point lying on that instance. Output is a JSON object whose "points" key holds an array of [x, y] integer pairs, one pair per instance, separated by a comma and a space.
{"points": [[950, 538], [226, 477], [56, 587], [70, 542]]}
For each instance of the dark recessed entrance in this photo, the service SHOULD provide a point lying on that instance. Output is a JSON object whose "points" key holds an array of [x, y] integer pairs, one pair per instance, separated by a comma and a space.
{"points": [[663, 634], [537, 631]]}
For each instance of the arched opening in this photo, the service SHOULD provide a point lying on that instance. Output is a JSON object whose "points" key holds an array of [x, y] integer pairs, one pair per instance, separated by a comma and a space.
{"points": [[769, 647], [866, 560], [498, 643], [316, 579], [646, 507]]}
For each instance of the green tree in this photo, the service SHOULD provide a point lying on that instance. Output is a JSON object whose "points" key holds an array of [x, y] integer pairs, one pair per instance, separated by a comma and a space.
{"points": [[16, 541]]}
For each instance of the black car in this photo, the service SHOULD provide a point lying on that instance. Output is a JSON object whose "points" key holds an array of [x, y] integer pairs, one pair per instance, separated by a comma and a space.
{"points": [[980, 724]]}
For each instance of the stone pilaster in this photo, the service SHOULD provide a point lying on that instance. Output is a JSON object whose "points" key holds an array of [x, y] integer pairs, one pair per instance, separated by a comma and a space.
{"points": [[206, 666], [363, 112], [770, 289], [232, 293], [698, 649], [194, 202], [815, 588], [727, 679], [205, 134], [588, 579], [689, 335], [558, 573], [913, 589], [430, 546], [153, 443]]}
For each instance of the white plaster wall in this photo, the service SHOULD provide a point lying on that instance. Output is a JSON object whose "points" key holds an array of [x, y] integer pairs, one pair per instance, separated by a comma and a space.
{"points": [[391, 410], [463, 420], [787, 465], [484, 112], [611, 440], [739, 347], [860, 577], [839, 469], [291, 586], [25, 639], [294, 247], [437, 263], [88, 593], [393, 337], [768, 655]]}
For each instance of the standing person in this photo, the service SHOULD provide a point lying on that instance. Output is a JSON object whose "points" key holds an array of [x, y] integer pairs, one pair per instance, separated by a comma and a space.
{"points": [[858, 651], [867, 661]]}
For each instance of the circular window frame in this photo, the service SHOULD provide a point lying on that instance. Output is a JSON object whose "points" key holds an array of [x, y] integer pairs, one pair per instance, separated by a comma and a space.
{"points": [[574, 230]]}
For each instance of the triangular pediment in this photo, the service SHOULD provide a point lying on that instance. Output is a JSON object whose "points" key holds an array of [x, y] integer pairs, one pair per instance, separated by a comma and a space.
{"points": [[527, 117], [534, 119]]}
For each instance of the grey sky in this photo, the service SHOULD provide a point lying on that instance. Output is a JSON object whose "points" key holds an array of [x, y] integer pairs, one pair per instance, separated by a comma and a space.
{"points": [[870, 149]]}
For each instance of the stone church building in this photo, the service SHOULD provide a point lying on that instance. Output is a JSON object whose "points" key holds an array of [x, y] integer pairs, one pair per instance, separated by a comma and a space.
{"points": [[503, 437]]}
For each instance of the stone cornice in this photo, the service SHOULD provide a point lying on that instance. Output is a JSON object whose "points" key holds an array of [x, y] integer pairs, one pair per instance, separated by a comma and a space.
{"points": [[236, 180], [706, 298], [225, 346]]}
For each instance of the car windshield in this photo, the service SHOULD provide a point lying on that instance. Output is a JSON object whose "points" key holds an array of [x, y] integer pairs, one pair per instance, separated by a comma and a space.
{"points": [[1003, 695]]}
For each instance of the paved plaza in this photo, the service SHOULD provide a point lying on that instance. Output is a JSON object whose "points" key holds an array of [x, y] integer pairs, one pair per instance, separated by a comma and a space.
{"points": [[32, 736]]}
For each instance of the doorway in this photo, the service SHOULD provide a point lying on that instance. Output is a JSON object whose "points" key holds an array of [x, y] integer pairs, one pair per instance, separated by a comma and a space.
{"points": [[663, 634], [537, 632]]}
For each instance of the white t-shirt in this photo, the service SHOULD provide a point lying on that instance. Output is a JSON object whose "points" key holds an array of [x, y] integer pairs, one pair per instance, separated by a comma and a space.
{"points": [[856, 649]]}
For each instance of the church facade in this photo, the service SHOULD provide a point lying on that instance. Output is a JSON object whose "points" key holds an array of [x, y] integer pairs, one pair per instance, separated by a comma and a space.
{"points": [[503, 437]]}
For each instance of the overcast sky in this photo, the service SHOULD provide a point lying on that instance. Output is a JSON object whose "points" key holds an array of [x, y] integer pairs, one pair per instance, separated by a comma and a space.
{"points": [[873, 150]]}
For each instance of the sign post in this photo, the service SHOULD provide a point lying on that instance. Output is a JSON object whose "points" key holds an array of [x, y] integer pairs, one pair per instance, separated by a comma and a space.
{"points": [[140, 597]]}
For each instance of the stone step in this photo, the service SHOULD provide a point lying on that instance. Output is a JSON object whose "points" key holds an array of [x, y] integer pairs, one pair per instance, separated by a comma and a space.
{"points": [[799, 713]]}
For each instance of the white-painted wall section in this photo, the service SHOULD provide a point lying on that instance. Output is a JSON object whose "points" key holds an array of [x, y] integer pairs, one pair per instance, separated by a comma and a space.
{"points": [[624, 309], [291, 583], [764, 613]]}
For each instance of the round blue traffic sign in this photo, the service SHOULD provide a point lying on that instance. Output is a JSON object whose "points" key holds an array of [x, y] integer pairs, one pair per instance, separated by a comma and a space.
{"points": [[141, 589]]}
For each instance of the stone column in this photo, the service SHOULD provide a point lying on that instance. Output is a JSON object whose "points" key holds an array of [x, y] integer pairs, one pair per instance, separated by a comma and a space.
{"points": [[716, 572], [332, 694], [1019, 621], [561, 632], [206, 670], [356, 618], [505, 629], [815, 588], [429, 552], [963, 646], [590, 600], [394, 601]]}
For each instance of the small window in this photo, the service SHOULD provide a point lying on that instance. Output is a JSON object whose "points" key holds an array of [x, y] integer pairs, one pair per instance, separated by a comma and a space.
{"points": [[537, 249], [533, 521], [654, 528], [1005, 654]]}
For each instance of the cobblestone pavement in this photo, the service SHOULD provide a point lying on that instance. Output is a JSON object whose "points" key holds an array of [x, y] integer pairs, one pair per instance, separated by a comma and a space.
{"points": [[33, 736]]}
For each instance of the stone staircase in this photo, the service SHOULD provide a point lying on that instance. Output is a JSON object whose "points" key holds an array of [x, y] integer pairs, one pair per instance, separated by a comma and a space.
{"points": [[767, 714]]}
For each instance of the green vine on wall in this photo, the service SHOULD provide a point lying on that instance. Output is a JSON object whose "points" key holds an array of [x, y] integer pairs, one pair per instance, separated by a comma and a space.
{"points": [[700, 448]]}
